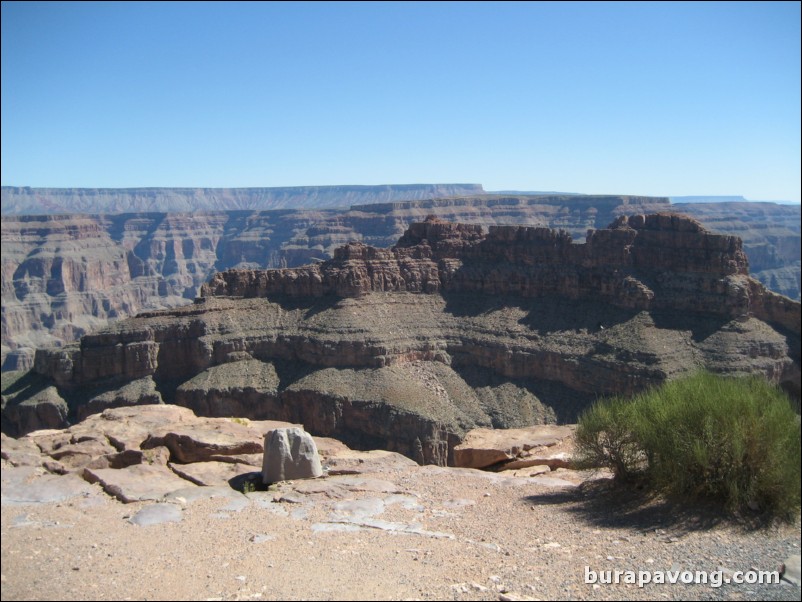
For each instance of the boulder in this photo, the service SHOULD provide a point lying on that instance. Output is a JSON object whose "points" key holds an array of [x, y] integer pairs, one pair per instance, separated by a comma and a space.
{"points": [[290, 453], [482, 448]]}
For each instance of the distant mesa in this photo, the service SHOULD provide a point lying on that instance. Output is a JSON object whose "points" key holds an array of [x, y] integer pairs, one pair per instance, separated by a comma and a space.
{"points": [[33, 201]]}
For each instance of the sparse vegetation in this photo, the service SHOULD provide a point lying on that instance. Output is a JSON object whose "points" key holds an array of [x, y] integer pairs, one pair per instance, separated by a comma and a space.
{"points": [[248, 483], [735, 440]]}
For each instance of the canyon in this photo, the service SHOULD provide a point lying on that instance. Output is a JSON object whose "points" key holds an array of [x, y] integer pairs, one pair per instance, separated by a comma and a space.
{"points": [[455, 327], [66, 275]]}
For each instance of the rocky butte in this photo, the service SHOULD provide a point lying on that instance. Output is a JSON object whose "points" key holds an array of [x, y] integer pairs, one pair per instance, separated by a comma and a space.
{"points": [[408, 348]]}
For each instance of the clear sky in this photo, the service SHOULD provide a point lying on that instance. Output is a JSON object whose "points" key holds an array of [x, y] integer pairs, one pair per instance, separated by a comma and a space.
{"points": [[652, 98]]}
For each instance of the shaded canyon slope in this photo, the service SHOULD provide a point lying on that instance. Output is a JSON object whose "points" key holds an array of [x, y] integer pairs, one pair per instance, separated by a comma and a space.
{"points": [[453, 328], [66, 275]]}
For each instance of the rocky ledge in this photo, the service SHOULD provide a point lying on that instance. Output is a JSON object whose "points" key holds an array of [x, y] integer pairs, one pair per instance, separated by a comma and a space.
{"points": [[407, 349]]}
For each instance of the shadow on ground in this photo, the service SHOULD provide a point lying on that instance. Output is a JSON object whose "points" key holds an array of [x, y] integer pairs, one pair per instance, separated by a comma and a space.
{"points": [[607, 505]]}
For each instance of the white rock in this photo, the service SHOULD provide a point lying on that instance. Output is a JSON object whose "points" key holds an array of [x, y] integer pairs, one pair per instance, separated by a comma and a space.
{"points": [[290, 453], [791, 571]]}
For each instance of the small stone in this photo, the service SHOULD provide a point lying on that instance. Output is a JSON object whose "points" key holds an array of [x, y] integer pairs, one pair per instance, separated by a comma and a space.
{"points": [[791, 569]]}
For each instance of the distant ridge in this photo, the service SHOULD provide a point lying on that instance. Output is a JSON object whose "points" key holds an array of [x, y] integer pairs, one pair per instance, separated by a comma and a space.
{"points": [[17, 200], [725, 199], [735, 198]]}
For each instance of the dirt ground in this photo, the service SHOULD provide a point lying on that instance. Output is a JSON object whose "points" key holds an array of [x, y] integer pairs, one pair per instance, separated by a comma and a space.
{"points": [[393, 532]]}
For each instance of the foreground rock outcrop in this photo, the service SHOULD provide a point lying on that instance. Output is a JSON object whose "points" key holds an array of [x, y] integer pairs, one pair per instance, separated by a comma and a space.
{"points": [[378, 526], [406, 349]]}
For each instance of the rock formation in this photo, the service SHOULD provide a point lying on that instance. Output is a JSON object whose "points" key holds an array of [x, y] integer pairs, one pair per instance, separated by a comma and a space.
{"points": [[159, 451], [66, 275], [406, 349], [289, 454]]}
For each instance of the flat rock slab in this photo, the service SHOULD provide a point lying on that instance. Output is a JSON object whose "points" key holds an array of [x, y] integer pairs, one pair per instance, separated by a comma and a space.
{"points": [[357, 509], [212, 474], [202, 442], [484, 447], [791, 572], [360, 483], [20, 452], [157, 514], [81, 453], [128, 427], [136, 483], [351, 515], [342, 486], [552, 482], [26, 485], [344, 462], [188, 495]]}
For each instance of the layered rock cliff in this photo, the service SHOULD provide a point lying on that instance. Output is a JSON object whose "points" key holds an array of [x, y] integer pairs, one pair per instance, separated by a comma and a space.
{"points": [[408, 348], [66, 275]]}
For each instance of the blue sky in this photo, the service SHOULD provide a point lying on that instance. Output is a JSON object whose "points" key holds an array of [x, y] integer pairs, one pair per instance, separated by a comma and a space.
{"points": [[653, 98]]}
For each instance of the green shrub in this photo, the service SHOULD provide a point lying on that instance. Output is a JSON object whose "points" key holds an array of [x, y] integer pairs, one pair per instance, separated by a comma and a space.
{"points": [[605, 437], [736, 440]]}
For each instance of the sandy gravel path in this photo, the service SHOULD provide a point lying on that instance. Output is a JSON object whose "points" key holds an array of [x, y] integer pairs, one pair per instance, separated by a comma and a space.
{"points": [[400, 532]]}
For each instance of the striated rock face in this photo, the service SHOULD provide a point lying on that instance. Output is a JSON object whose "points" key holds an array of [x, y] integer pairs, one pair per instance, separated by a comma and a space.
{"points": [[770, 234], [407, 349], [66, 275], [640, 262]]}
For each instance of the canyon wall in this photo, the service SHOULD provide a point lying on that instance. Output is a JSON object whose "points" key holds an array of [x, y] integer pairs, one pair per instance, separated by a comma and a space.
{"points": [[66, 275], [454, 327]]}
